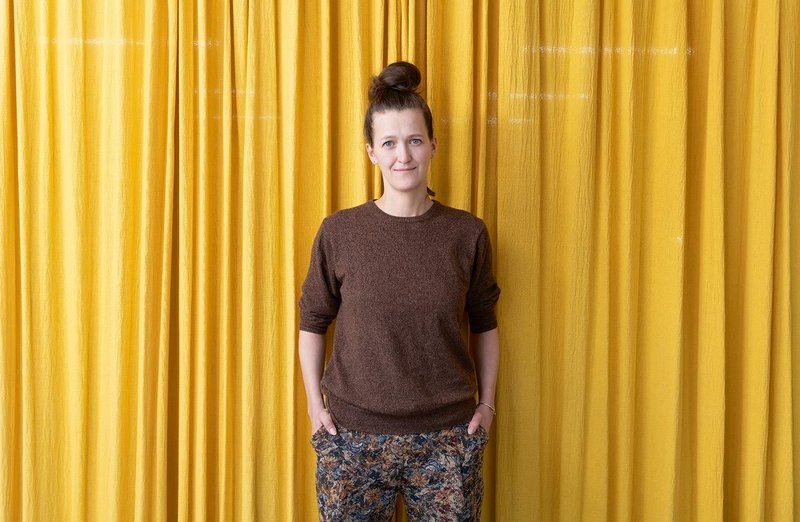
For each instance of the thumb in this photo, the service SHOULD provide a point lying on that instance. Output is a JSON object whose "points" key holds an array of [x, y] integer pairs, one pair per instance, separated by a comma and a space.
{"points": [[327, 421], [473, 424]]}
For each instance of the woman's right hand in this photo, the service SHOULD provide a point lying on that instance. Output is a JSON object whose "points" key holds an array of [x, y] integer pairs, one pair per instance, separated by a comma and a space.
{"points": [[322, 417], [312, 356]]}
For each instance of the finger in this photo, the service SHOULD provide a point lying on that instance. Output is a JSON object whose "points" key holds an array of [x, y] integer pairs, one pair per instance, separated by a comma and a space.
{"points": [[473, 424], [327, 421]]}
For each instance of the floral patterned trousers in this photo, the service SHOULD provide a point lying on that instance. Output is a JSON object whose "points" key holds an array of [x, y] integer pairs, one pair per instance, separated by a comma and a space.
{"points": [[439, 474]]}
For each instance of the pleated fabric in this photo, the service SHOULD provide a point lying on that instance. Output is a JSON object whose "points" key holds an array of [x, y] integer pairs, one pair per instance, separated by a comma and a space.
{"points": [[166, 164]]}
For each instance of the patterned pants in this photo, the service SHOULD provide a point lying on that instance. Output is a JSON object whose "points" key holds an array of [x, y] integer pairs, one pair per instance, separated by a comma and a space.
{"points": [[439, 474]]}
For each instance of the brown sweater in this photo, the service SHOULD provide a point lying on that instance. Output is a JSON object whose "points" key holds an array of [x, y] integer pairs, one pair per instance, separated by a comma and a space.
{"points": [[398, 288]]}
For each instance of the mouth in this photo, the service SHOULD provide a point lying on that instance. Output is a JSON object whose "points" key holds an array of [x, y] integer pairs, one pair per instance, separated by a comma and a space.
{"points": [[405, 170]]}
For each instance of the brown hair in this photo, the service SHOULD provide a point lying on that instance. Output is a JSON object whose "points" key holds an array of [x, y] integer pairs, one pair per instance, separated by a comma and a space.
{"points": [[395, 88]]}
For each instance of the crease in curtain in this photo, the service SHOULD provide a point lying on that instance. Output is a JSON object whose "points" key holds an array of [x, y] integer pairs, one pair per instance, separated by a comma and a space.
{"points": [[86, 201]]}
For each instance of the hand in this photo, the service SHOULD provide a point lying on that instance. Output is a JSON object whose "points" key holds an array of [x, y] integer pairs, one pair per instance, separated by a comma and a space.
{"points": [[322, 417], [483, 416]]}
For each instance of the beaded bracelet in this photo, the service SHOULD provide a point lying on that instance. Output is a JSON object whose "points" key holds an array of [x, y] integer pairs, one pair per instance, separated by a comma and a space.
{"points": [[494, 412]]}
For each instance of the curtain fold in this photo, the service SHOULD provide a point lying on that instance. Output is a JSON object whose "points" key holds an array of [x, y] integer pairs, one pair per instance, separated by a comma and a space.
{"points": [[165, 166]]}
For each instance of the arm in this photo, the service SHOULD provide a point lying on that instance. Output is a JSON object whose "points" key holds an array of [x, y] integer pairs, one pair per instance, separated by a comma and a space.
{"points": [[312, 361], [486, 353]]}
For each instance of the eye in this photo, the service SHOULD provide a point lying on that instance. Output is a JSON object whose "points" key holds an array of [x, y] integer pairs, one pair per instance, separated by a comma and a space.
{"points": [[416, 141], [387, 144]]}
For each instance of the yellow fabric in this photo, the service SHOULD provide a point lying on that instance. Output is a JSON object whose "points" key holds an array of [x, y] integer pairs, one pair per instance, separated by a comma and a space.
{"points": [[166, 165]]}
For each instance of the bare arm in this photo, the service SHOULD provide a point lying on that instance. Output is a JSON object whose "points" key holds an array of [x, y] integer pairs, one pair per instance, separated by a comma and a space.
{"points": [[486, 352], [311, 347]]}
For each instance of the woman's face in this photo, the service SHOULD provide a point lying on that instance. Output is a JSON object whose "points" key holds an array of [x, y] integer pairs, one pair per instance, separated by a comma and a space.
{"points": [[402, 149]]}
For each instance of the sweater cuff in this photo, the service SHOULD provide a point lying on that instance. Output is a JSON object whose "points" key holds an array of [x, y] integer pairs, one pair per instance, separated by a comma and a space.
{"points": [[313, 328], [483, 322]]}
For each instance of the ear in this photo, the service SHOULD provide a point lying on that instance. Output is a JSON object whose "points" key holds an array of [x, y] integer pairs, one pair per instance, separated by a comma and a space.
{"points": [[371, 154], [433, 147]]}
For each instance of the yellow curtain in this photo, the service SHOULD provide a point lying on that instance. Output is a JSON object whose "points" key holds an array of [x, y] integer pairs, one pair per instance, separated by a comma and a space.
{"points": [[166, 165]]}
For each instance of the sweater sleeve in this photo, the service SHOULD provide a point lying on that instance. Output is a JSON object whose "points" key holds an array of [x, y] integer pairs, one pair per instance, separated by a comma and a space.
{"points": [[483, 291], [320, 299]]}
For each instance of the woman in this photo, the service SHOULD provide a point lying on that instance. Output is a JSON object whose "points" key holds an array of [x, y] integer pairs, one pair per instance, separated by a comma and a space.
{"points": [[395, 411]]}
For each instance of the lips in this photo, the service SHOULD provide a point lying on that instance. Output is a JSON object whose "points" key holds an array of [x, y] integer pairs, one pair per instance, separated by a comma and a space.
{"points": [[405, 170]]}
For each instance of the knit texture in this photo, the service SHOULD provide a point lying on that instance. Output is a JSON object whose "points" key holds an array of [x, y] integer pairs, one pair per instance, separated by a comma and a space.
{"points": [[399, 288]]}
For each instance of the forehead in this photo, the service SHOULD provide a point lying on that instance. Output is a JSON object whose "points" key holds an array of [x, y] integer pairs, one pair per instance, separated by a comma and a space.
{"points": [[404, 122]]}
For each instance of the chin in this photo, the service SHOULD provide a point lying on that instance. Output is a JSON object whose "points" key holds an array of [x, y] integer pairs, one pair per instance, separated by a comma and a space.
{"points": [[409, 188]]}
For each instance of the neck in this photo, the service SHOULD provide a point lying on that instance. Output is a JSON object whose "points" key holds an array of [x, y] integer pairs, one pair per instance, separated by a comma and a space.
{"points": [[404, 204]]}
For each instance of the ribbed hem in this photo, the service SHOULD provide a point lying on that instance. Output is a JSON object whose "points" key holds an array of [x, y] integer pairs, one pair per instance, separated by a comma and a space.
{"points": [[353, 418], [312, 328], [486, 323], [376, 211]]}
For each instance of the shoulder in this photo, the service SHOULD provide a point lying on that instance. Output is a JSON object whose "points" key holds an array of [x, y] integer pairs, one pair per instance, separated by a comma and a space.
{"points": [[462, 220], [345, 220]]}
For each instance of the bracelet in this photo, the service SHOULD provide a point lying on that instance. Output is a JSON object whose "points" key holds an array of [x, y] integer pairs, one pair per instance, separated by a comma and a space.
{"points": [[494, 412]]}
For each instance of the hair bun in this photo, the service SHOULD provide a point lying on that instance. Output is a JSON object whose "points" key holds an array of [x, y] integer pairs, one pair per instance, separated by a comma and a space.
{"points": [[399, 76]]}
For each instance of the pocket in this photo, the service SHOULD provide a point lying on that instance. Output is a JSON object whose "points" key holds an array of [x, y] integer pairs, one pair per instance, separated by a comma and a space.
{"points": [[483, 434], [317, 435], [474, 444], [472, 470]]}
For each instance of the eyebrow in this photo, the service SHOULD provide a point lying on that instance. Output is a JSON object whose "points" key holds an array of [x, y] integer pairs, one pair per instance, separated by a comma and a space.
{"points": [[387, 136]]}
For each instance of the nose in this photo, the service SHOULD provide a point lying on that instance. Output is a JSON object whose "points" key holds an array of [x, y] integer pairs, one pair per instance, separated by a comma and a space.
{"points": [[403, 154]]}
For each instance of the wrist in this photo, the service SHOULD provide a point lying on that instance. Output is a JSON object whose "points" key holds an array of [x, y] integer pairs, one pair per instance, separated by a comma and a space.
{"points": [[316, 406], [488, 406]]}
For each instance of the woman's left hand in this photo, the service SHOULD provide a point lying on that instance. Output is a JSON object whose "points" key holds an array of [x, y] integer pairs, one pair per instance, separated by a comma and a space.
{"points": [[483, 417]]}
